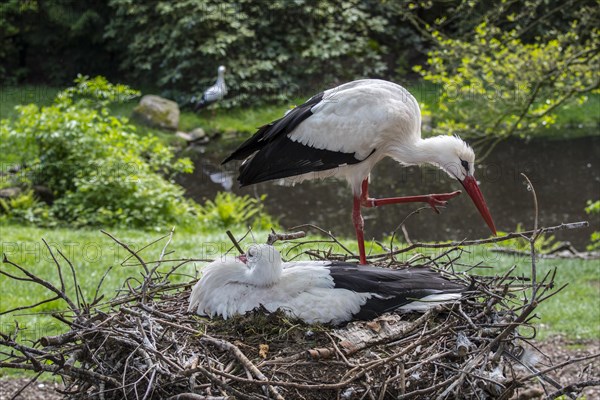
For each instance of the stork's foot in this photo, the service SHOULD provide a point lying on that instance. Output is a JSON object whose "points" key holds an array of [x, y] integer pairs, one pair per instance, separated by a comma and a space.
{"points": [[440, 200]]}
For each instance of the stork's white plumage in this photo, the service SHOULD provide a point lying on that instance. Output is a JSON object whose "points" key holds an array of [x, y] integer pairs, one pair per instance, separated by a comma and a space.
{"points": [[343, 132], [214, 93], [315, 291]]}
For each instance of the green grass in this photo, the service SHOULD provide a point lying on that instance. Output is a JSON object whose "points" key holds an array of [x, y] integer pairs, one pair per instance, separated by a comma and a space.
{"points": [[217, 120], [242, 119], [11, 96]]}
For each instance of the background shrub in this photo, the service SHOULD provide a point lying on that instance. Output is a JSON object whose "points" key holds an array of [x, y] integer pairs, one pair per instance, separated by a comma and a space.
{"points": [[99, 170], [230, 210], [593, 209]]}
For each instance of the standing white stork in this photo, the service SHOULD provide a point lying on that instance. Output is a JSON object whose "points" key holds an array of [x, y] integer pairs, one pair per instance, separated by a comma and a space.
{"points": [[214, 93], [315, 291], [343, 132]]}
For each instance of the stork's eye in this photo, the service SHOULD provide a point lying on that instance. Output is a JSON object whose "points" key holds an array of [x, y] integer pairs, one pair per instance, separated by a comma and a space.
{"points": [[251, 252], [465, 165]]}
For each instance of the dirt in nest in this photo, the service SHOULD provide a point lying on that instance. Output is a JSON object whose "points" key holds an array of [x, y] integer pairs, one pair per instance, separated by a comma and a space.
{"points": [[45, 390], [283, 335], [561, 350], [557, 348]]}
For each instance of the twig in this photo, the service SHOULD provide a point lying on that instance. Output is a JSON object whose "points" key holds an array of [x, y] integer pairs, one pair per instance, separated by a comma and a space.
{"points": [[274, 236], [16, 394], [233, 349], [133, 253], [532, 239], [75, 371], [235, 242], [561, 365], [31, 277], [323, 231], [509, 236], [574, 387]]}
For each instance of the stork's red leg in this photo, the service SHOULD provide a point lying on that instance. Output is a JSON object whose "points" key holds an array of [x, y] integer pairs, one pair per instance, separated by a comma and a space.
{"points": [[358, 221], [364, 200], [432, 199]]}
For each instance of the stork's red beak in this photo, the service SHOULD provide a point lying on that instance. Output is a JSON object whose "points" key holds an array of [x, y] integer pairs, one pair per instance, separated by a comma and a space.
{"points": [[472, 189], [242, 258]]}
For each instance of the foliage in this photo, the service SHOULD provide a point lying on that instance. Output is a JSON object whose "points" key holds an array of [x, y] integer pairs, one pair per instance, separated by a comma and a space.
{"points": [[26, 207], [230, 210], [52, 40], [593, 208], [500, 80], [95, 93], [265, 48], [544, 243], [100, 171]]}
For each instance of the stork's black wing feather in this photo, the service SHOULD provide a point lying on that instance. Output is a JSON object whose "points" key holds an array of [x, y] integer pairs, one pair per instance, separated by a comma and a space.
{"points": [[394, 287], [283, 158], [385, 281], [281, 127], [277, 156]]}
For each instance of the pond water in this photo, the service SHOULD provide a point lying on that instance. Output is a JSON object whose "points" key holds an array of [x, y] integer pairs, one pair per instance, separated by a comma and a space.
{"points": [[565, 174]]}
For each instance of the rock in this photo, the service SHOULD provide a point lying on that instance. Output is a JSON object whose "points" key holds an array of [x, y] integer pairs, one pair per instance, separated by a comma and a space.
{"points": [[197, 135], [157, 112], [10, 193], [43, 193], [184, 135]]}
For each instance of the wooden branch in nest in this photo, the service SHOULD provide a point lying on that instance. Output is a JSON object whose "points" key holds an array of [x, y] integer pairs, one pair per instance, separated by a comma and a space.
{"points": [[509, 236], [274, 236], [574, 387]]}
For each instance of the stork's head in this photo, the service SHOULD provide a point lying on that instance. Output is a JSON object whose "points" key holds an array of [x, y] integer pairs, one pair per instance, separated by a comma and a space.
{"points": [[457, 159], [221, 70], [264, 265]]}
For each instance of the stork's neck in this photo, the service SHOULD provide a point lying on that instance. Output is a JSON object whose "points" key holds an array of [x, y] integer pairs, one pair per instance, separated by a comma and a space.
{"points": [[220, 76], [417, 152]]}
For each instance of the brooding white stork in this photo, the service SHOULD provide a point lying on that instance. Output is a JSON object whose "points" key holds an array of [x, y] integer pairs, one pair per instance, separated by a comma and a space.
{"points": [[343, 132], [315, 291], [214, 93]]}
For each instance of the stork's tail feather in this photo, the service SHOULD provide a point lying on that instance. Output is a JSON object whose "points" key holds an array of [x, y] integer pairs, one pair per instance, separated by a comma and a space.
{"points": [[412, 289], [195, 297], [430, 301]]}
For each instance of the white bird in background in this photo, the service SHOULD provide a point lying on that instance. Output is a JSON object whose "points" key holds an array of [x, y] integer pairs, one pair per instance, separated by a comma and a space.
{"points": [[315, 291], [343, 132], [214, 93]]}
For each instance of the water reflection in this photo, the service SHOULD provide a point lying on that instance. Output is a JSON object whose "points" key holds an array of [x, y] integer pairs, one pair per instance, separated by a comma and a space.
{"points": [[565, 175]]}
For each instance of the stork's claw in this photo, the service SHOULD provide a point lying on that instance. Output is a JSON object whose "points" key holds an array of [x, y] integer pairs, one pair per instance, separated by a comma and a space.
{"points": [[440, 200]]}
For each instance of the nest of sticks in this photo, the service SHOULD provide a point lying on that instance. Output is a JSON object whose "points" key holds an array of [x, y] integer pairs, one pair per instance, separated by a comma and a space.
{"points": [[143, 344]]}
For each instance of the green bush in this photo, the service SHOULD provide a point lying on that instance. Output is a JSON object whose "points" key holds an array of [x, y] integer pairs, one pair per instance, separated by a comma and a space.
{"points": [[265, 47], [99, 170], [513, 68], [26, 208], [229, 210], [52, 40], [593, 208]]}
